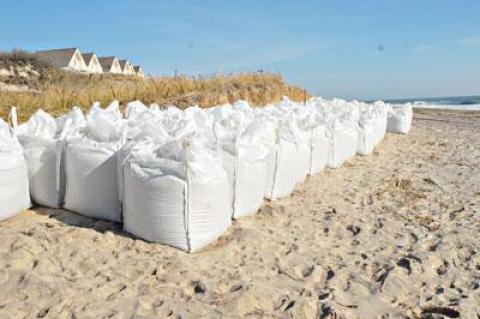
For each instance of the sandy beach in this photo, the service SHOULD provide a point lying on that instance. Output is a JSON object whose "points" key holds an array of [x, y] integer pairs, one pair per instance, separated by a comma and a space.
{"points": [[391, 235]]}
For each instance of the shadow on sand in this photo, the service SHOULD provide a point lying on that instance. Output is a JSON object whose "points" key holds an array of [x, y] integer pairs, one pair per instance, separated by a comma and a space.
{"points": [[77, 220]]}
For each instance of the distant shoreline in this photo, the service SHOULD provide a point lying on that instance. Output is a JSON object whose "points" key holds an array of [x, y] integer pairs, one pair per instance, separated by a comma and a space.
{"points": [[452, 111], [467, 99], [460, 108], [471, 102]]}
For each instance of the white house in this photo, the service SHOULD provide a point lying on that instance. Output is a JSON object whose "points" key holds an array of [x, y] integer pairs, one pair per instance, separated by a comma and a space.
{"points": [[68, 59], [130, 69], [93, 65], [127, 67], [139, 71], [110, 64]]}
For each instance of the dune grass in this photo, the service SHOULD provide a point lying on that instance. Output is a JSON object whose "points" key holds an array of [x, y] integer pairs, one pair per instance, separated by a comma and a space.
{"points": [[56, 91]]}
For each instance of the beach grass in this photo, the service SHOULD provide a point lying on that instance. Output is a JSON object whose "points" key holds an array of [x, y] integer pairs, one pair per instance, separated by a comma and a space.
{"points": [[57, 91]]}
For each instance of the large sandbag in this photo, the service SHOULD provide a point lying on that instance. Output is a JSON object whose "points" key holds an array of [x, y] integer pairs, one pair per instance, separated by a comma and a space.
{"points": [[343, 143], [14, 193], [282, 170], [91, 165], [242, 145], [92, 181], [366, 139], [338, 119], [175, 194], [400, 119], [249, 182], [245, 165], [134, 110], [303, 155], [320, 149], [380, 114], [71, 123], [43, 143], [314, 141], [296, 124], [367, 130]]}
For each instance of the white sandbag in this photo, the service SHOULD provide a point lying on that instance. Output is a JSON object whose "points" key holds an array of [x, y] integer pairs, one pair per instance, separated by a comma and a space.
{"points": [[380, 114], [14, 193], [243, 146], [342, 124], [296, 124], [343, 143], [76, 122], [175, 194], [400, 118], [282, 170], [280, 175], [320, 149], [339, 121], [303, 155], [134, 110], [91, 165], [381, 128], [244, 160], [92, 180], [139, 120], [314, 141], [43, 145], [288, 160], [366, 139], [250, 172], [367, 130]]}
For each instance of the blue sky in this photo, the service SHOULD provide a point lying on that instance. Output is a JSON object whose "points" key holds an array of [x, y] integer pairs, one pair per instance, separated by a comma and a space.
{"points": [[350, 49]]}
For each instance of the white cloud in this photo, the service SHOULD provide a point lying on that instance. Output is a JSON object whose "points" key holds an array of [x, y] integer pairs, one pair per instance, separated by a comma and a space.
{"points": [[471, 40]]}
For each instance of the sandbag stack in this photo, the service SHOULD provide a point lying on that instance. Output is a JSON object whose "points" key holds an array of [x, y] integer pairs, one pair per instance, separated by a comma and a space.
{"points": [[239, 141], [371, 126], [314, 126], [178, 177], [400, 118], [14, 191], [91, 165], [175, 190], [43, 141], [342, 121], [283, 165]]}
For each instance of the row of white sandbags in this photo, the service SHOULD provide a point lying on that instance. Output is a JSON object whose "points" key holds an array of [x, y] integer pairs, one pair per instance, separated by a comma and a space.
{"points": [[93, 186], [87, 193], [162, 162], [87, 150], [85, 143], [366, 123], [291, 154], [215, 164]]}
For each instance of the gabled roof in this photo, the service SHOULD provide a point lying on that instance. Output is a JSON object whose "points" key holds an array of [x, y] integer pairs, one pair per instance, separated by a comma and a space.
{"points": [[57, 57], [123, 64], [137, 68], [87, 57], [106, 62]]}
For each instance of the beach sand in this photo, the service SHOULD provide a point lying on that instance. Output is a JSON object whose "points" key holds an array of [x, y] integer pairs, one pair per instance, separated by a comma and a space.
{"points": [[392, 235]]}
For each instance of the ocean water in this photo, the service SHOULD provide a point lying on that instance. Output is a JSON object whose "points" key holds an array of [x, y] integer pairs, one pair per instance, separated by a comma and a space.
{"points": [[453, 102]]}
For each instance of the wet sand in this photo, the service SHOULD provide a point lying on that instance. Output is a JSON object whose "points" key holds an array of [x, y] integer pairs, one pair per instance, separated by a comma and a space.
{"points": [[392, 235]]}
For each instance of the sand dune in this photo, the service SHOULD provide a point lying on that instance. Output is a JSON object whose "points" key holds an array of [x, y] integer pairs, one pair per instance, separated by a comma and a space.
{"points": [[396, 234]]}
